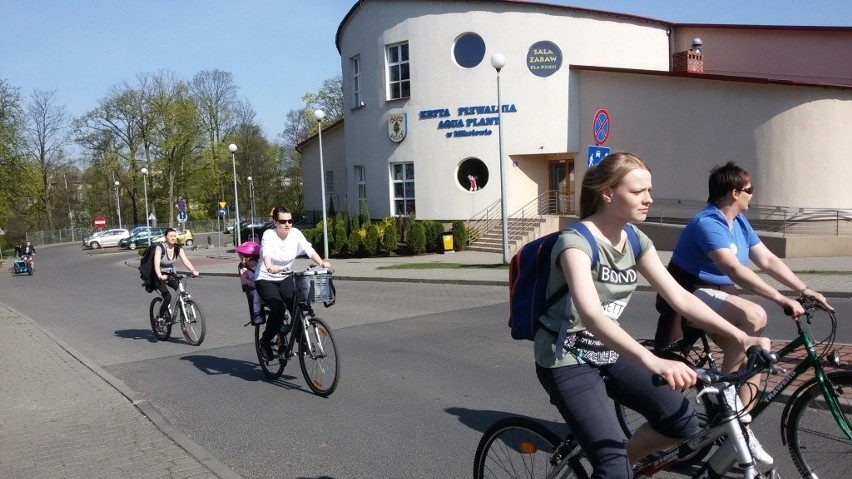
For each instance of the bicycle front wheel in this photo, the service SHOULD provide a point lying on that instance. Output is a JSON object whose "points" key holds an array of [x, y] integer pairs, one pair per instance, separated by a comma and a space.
{"points": [[318, 357], [517, 447], [192, 323], [817, 444], [162, 329]]}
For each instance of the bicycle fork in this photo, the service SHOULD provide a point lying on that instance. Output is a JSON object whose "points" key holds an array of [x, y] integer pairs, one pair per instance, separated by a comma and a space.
{"points": [[312, 339]]}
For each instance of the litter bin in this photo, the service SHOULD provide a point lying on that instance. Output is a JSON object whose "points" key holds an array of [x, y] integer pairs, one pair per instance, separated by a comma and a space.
{"points": [[448, 241]]}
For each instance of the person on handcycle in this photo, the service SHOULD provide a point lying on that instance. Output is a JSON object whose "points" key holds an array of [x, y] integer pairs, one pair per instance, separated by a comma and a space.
{"points": [[709, 259], [582, 354], [28, 254], [249, 255]]}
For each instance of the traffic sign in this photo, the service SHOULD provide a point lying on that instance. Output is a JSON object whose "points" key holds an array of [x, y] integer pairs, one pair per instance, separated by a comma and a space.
{"points": [[601, 126], [100, 221], [181, 216], [221, 213], [596, 154], [222, 204], [151, 217]]}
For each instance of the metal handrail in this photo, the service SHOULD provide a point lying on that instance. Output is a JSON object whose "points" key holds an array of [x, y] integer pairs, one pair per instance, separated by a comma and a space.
{"points": [[491, 217]]}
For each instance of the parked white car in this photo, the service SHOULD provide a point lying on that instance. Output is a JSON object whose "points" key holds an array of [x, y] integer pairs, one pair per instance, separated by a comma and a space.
{"points": [[101, 239]]}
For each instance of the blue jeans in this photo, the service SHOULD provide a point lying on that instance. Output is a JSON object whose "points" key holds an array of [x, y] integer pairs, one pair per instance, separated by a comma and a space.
{"points": [[582, 394]]}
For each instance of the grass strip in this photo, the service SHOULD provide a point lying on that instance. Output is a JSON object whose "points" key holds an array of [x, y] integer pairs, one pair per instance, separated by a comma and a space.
{"points": [[445, 266]]}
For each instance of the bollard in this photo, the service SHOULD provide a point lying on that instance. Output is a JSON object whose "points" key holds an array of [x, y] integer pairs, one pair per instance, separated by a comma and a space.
{"points": [[209, 242]]}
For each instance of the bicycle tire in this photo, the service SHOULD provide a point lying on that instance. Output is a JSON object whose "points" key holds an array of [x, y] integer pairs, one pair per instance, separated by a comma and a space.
{"points": [[518, 447], [321, 368], [818, 446], [192, 323], [274, 368], [161, 331]]}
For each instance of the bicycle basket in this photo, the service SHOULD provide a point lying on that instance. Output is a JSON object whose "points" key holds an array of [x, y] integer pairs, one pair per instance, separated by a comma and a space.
{"points": [[314, 286]]}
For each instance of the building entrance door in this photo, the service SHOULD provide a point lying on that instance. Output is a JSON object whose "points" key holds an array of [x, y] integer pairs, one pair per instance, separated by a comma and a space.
{"points": [[562, 182]]}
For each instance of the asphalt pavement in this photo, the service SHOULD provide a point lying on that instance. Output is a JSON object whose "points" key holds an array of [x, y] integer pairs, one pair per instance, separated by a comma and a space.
{"points": [[63, 416]]}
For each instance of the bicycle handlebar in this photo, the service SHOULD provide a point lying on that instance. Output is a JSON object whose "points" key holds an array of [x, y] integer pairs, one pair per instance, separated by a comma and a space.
{"points": [[756, 357]]}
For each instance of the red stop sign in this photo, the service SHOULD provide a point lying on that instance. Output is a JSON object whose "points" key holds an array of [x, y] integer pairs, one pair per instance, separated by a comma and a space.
{"points": [[100, 221]]}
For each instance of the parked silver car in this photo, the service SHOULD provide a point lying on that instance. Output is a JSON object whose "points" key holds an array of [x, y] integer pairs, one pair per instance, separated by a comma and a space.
{"points": [[104, 238]]}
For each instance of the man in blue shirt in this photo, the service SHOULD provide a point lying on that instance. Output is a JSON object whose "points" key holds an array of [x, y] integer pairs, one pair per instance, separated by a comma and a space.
{"points": [[710, 259]]}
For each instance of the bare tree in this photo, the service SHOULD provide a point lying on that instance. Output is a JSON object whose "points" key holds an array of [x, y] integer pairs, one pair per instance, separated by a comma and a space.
{"points": [[44, 143]]}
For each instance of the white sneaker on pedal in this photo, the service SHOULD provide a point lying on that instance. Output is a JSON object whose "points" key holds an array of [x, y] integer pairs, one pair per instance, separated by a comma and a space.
{"points": [[736, 403], [757, 452]]}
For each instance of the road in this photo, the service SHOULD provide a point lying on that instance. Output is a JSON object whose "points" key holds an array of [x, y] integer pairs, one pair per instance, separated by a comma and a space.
{"points": [[425, 369]]}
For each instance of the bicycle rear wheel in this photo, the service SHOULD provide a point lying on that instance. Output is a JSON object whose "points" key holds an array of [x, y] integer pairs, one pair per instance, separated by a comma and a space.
{"points": [[162, 329], [817, 444], [517, 447], [274, 368], [320, 362], [192, 323]]}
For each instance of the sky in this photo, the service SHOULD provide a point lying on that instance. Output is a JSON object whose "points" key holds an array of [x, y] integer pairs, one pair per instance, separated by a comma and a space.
{"points": [[277, 50]]}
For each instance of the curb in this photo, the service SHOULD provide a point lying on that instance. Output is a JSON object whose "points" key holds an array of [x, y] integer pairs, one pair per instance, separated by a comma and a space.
{"points": [[147, 409]]}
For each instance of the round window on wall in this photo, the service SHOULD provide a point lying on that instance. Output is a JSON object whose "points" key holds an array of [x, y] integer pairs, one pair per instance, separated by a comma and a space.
{"points": [[469, 50], [472, 174]]}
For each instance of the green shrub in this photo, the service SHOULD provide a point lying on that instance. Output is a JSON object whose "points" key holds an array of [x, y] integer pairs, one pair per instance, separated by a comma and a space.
{"points": [[353, 244], [371, 241], [390, 240], [433, 231], [417, 237], [337, 230], [459, 235]]}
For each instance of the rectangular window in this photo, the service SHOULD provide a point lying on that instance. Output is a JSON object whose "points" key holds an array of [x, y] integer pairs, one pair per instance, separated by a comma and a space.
{"points": [[399, 80], [361, 179], [329, 182], [356, 82], [403, 188]]}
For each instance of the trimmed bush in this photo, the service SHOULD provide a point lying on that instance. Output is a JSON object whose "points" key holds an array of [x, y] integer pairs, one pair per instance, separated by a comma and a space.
{"points": [[353, 245], [417, 238], [390, 240], [371, 241], [459, 235], [433, 231]]}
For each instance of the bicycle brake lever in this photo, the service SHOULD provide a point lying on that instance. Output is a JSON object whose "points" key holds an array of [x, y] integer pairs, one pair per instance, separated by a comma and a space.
{"points": [[706, 390], [776, 369]]}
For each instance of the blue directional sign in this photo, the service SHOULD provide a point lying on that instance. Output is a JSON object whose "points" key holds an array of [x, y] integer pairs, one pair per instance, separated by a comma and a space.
{"points": [[181, 216], [221, 213], [596, 154]]}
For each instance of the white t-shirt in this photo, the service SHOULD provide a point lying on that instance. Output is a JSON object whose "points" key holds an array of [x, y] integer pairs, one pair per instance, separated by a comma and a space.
{"points": [[282, 253]]}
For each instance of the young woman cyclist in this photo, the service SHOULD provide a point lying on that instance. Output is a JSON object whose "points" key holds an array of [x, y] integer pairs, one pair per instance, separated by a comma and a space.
{"points": [[614, 193], [165, 262]]}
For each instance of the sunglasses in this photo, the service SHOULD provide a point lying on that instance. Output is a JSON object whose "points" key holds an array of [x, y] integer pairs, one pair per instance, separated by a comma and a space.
{"points": [[280, 221], [749, 190]]}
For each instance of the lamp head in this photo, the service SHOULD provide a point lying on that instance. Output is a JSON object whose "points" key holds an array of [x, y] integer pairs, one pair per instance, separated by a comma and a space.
{"points": [[319, 115], [144, 171], [117, 183], [498, 61], [249, 178], [232, 148]]}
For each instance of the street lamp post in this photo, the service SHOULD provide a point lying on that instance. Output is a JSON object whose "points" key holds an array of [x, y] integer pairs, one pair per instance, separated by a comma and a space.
{"points": [[117, 204], [251, 205], [233, 149], [147, 218], [319, 115], [498, 61]]}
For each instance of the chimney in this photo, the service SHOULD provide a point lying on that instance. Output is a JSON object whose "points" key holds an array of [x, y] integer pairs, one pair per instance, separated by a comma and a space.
{"points": [[690, 61]]}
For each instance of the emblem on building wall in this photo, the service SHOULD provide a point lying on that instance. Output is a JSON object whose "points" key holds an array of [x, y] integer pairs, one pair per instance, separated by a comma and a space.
{"points": [[397, 126]]}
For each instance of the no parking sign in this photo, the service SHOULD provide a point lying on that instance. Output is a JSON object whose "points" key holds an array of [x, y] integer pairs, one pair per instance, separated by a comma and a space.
{"points": [[601, 126]]}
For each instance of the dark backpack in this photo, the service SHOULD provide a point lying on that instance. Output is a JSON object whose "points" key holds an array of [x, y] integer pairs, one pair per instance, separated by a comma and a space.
{"points": [[146, 266], [529, 272]]}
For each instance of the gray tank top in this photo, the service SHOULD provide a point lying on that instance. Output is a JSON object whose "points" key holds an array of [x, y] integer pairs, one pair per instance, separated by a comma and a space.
{"points": [[168, 265]]}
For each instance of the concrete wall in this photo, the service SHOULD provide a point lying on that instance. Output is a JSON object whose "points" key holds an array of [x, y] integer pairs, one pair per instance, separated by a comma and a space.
{"points": [[794, 140]]}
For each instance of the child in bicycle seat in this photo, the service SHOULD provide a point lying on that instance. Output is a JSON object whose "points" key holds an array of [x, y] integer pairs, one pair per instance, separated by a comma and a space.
{"points": [[249, 255]]}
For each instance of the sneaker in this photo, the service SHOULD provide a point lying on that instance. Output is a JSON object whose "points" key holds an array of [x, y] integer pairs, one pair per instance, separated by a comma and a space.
{"points": [[733, 399], [266, 351], [757, 452]]}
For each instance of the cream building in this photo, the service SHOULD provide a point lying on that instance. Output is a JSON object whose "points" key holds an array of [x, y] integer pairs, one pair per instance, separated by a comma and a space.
{"points": [[422, 120]]}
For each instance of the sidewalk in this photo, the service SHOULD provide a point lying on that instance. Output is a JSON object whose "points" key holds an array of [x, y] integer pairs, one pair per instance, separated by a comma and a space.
{"points": [[62, 416]]}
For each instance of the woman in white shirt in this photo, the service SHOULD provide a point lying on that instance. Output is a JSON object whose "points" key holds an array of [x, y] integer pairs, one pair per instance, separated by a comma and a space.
{"points": [[274, 282]]}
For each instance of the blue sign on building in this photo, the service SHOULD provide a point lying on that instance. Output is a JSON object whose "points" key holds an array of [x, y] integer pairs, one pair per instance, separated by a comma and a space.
{"points": [[596, 154]]}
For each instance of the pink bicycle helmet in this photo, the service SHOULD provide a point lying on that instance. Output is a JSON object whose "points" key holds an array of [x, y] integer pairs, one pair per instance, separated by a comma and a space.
{"points": [[249, 248]]}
